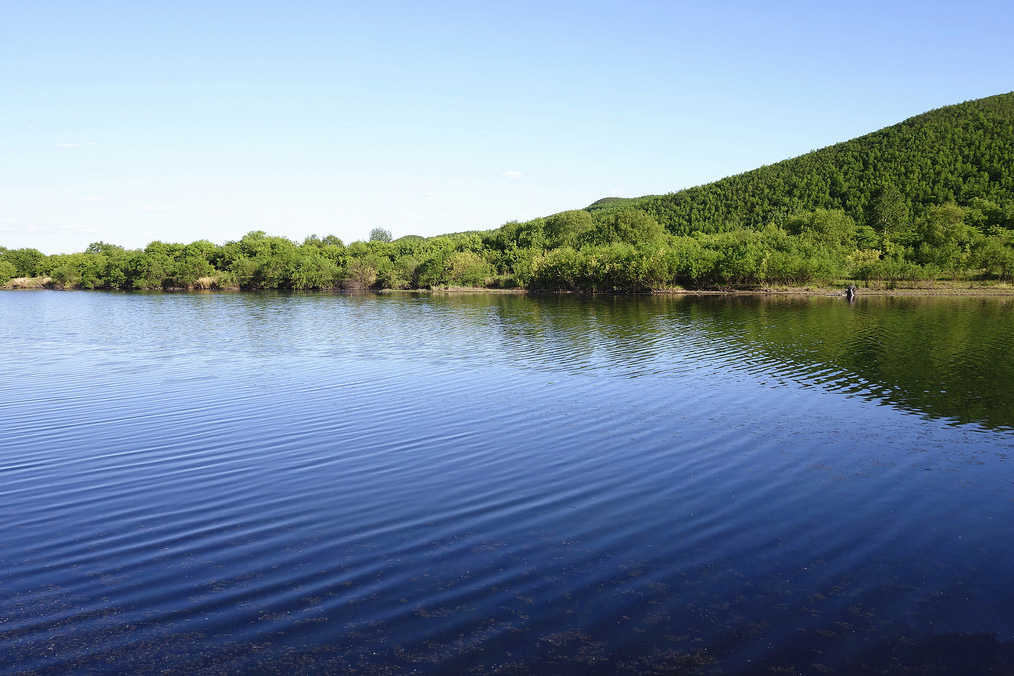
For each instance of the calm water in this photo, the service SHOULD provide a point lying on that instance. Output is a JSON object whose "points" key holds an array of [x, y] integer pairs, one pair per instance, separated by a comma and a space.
{"points": [[456, 484]]}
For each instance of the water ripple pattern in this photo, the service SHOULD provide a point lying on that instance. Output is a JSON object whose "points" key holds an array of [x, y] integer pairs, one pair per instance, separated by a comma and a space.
{"points": [[439, 484]]}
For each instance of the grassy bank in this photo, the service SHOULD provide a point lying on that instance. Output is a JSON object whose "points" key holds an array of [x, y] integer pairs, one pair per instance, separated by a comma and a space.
{"points": [[902, 288]]}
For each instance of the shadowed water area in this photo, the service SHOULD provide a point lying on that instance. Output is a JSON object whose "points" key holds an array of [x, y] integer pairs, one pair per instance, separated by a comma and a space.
{"points": [[492, 483]]}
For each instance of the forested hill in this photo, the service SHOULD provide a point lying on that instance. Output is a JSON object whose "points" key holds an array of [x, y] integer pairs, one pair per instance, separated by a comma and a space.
{"points": [[931, 198], [957, 154]]}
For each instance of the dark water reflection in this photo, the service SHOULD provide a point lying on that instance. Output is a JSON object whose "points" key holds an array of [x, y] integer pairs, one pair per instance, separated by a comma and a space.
{"points": [[504, 484], [945, 357]]}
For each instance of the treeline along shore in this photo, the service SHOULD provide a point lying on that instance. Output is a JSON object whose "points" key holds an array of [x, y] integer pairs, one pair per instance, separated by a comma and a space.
{"points": [[929, 199]]}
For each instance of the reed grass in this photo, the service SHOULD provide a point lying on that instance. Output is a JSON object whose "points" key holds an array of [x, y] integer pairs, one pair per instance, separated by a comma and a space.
{"points": [[206, 283], [28, 283]]}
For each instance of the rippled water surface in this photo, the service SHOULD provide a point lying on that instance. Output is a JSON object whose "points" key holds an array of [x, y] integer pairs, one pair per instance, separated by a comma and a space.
{"points": [[374, 483]]}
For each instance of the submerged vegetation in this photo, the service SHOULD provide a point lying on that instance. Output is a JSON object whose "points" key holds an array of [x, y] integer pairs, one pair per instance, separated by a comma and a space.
{"points": [[930, 198]]}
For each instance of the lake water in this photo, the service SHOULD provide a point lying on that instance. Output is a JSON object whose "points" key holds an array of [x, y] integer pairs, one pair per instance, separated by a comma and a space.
{"points": [[509, 484]]}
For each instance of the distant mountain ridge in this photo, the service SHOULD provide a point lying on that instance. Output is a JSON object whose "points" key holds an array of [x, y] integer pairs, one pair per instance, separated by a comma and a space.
{"points": [[956, 154]]}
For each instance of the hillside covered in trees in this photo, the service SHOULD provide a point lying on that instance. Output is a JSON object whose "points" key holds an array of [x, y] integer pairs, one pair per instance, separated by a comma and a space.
{"points": [[929, 198], [959, 154]]}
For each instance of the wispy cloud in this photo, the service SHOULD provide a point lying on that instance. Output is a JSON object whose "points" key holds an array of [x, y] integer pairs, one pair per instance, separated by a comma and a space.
{"points": [[91, 199], [512, 174], [86, 144], [158, 208]]}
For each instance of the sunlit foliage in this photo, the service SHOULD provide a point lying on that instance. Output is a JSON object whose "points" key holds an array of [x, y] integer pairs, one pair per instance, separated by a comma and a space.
{"points": [[932, 197]]}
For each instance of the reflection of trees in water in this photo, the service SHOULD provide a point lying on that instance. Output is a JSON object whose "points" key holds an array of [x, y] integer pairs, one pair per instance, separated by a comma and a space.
{"points": [[942, 356], [589, 332], [948, 357]]}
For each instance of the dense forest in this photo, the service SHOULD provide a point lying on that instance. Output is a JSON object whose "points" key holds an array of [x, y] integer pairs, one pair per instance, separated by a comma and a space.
{"points": [[929, 198]]}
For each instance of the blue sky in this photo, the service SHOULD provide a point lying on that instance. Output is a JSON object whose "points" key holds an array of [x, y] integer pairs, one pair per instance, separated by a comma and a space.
{"points": [[128, 122]]}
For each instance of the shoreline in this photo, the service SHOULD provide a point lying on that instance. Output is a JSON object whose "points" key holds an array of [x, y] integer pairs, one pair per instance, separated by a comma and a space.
{"points": [[939, 288]]}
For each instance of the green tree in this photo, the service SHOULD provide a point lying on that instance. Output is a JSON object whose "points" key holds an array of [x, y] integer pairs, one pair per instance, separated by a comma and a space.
{"points": [[104, 249], [888, 212], [513, 234], [994, 255], [400, 273], [825, 227], [313, 271], [467, 268], [361, 274], [150, 270], [566, 227], [943, 225], [26, 262], [189, 269], [380, 235], [7, 271], [242, 270], [633, 227]]}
